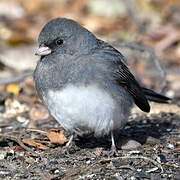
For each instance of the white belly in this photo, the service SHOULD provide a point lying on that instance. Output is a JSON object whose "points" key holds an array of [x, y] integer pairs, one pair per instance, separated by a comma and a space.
{"points": [[81, 109]]}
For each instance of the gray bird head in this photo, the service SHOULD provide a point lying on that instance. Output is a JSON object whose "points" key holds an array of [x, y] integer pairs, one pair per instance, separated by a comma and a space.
{"points": [[65, 36]]}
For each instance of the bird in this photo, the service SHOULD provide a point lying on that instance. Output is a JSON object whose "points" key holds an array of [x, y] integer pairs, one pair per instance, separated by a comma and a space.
{"points": [[84, 82]]}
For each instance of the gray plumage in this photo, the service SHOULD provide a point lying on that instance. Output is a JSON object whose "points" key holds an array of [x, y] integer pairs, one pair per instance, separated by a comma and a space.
{"points": [[84, 82]]}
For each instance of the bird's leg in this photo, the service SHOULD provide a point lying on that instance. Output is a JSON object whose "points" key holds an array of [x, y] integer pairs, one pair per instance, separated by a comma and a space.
{"points": [[68, 145], [113, 146]]}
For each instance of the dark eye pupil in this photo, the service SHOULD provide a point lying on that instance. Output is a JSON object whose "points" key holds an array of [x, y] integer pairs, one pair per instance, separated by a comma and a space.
{"points": [[59, 42]]}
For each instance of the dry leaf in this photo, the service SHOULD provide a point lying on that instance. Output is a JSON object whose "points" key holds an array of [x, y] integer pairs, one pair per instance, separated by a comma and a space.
{"points": [[16, 148], [13, 88], [56, 136], [35, 143]]}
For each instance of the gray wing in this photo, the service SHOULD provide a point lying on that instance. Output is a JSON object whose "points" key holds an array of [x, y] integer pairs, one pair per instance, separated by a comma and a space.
{"points": [[120, 73]]}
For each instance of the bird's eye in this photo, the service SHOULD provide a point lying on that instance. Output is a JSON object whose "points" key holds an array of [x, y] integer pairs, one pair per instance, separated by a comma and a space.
{"points": [[59, 42]]}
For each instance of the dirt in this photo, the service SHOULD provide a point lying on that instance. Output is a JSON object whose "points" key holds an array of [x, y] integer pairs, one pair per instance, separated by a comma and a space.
{"points": [[157, 157]]}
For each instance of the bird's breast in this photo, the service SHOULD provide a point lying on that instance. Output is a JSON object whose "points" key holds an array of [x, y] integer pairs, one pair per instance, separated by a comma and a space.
{"points": [[82, 108]]}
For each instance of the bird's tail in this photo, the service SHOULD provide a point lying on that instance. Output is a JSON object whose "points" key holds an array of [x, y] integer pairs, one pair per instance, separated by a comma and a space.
{"points": [[153, 96]]}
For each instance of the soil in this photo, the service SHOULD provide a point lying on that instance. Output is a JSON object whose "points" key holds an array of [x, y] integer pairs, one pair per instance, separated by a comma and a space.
{"points": [[148, 148]]}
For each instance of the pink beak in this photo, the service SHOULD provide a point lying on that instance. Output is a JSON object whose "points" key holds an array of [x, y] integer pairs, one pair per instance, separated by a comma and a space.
{"points": [[43, 51]]}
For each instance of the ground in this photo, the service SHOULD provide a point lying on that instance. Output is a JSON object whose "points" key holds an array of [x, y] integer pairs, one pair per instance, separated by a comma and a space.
{"points": [[32, 144], [148, 149]]}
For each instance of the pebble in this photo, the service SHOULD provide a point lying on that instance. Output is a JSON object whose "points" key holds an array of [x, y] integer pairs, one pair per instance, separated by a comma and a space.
{"points": [[162, 158], [169, 129], [118, 176], [53, 162], [142, 175], [152, 170], [170, 93], [132, 178], [4, 173], [56, 171], [170, 146], [3, 155], [30, 160], [88, 162], [152, 140], [131, 144]]}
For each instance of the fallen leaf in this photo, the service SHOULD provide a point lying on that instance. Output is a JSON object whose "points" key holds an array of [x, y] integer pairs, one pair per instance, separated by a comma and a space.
{"points": [[56, 136], [35, 143], [16, 148], [13, 88]]}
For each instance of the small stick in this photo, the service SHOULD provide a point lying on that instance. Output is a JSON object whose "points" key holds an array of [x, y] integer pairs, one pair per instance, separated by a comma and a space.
{"points": [[140, 157], [17, 140]]}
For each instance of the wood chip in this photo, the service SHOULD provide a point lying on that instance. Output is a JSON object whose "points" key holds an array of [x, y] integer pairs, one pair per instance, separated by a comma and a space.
{"points": [[56, 136], [35, 143]]}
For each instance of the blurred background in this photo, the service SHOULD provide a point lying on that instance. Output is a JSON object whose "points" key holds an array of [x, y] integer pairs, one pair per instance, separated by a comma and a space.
{"points": [[145, 31]]}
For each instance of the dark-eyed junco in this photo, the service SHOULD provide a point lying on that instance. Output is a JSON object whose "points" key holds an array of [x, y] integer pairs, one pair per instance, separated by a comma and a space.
{"points": [[83, 81]]}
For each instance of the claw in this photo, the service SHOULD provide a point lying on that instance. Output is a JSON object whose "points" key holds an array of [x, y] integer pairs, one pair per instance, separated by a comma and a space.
{"points": [[113, 151], [68, 145]]}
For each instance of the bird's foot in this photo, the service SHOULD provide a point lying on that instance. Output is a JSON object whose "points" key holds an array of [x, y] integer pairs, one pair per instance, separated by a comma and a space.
{"points": [[113, 152], [68, 145]]}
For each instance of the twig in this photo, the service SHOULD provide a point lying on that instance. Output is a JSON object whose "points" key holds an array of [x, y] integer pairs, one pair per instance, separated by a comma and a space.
{"points": [[140, 157], [152, 57], [170, 165], [126, 167], [37, 131], [72, 174], [152, 170], [16, 78], [17, 140], [3, 125], [29, 150]]}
